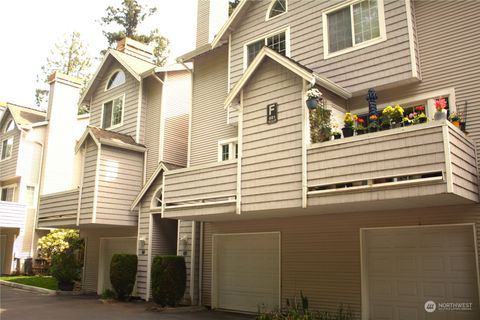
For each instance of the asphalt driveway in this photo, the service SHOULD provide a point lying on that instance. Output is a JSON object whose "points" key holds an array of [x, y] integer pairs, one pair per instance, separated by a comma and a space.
{"points": [[18, 304]]}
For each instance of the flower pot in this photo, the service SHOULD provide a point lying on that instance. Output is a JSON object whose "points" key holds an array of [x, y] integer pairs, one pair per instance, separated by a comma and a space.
{"points": [[384, 127], [359, 132], [373, 130], [440, 115], [312, 104], [396, 125], [463, 126], [456, 123], [422, 120], [406, 124], [338, 136], [347, 132]]}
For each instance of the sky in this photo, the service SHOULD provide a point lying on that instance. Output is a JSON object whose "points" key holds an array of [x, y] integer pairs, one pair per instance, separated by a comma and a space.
{"points": [[30, 28]]}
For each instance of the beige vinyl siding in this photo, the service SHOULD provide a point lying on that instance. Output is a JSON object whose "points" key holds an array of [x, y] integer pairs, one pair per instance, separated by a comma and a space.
{"points": [[152, 124], [185, 232], [387, 62], [202, 23], [164, 232], [92, 249], [26, 243], [120, 181], [175, 147], [58, 210], [272, 153], [131, 91], [209, 117], [88, 186], [415, 38], [320, 255], [12, 214], [8, 167]]}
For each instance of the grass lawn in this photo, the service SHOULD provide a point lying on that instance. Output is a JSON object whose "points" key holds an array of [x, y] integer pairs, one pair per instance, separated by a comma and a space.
{"points": [[36, 281]]}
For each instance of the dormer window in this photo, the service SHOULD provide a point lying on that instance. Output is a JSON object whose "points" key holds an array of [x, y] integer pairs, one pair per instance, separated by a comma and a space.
{"points": [[277, 7], [112, 113], [9, 126], [116, 79], [157, 200]]}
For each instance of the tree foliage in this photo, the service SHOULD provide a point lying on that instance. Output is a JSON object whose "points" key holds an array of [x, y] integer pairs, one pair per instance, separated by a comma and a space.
{"points": [[58, 241], [128, 17], [69, 56], [232, 4]]}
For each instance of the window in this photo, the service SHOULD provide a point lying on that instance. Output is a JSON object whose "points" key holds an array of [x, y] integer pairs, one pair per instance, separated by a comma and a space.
{"points": [[353, 26], [277, 8], [277, 42], [9, 126], [157, 200], [227, 150], [7, 146], [6, 194], [116, 79], [30, 196], [112, 115]]}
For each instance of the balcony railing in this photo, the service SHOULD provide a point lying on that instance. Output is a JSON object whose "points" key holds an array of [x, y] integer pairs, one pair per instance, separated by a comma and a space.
{"points": [[12, 214], [196, 191], [58, 209]]}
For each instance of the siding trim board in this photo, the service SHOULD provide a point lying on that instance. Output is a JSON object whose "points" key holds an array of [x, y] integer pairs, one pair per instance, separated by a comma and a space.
{"points": [[95, 190], [411, 39]]}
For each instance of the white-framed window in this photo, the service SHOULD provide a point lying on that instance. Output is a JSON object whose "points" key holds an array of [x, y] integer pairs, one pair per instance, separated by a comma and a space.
{"points": [[9, 126], [353, 25], [116, 79], [278, 41], [7, 148], [6, 193], [30, 196], [227, 149], [157, 200], [276, 8], [112, 113]]}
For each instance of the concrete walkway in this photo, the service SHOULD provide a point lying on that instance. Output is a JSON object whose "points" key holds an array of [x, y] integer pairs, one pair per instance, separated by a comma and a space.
{"points": [[18, 304]]}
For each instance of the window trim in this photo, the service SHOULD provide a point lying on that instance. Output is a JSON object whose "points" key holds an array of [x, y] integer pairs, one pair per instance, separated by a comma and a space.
{"points": [[285, 29], [154, 198], [1, 149], [123, 112], [272, 2], [110, 77], [7, 125], [231, 149], [354, 47]]}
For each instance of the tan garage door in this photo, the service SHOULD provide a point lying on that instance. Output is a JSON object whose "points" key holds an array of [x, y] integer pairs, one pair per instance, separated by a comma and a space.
{"points": [[406, 267], [246, 271]]}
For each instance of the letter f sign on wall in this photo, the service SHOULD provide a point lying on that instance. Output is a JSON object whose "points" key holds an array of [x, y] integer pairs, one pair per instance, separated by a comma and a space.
{"points": [[272, 113]]}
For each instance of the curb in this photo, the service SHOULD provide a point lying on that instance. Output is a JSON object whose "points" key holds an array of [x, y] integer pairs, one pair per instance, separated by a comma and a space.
{"points": [[40, 290]]}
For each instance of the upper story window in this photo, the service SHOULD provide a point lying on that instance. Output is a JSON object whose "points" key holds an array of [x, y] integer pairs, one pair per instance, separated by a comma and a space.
{"points": [[9, 126], [227, 150], [7, 147], [157, 200], [116, 79], [353, 26], [30, 196], [278, 42], [112, 114], [6, 193], [277, 7]]}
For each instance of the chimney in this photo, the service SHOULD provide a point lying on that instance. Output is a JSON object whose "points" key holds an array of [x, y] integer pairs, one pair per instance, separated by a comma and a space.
{"points": [[211, 16], [61, 133], [136, 49]]}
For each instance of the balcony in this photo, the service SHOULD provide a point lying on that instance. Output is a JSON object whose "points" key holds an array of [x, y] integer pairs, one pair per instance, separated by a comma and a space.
{"points": [[201, 191], [59, 210], [424, 165], [12, 214]]}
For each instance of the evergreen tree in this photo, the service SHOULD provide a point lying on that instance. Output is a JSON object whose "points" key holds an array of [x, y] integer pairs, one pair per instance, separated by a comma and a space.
{"points": [[128, 17], [232, 4]]}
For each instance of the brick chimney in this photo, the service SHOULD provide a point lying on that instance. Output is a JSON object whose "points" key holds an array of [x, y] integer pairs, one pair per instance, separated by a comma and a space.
{"points": [[211, 16], [136, 49]]}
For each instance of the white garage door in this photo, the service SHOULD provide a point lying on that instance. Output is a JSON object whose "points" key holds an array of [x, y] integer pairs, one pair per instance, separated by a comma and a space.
{"points": [[109, 247], [406, 267], [246, 271]]}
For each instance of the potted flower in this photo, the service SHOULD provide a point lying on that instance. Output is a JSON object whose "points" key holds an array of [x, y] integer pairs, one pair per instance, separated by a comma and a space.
{"points": [[406, 121], [360, 126], [421, 118], [455, 119], [313, 96], [373, 123], [336, 135], [397, 115], [440, 105], [348, 121], [384, 122], [387, 116]]}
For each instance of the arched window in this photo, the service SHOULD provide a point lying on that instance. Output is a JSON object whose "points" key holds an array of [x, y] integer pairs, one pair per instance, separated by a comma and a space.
{"points": [[157, 200], [116, 79], [9, 126], [277, 8]]}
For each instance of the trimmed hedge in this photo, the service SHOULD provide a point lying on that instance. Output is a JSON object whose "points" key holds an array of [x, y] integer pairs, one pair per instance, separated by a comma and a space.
{"points": [[169, 277], [65, 270], [123, 271]]}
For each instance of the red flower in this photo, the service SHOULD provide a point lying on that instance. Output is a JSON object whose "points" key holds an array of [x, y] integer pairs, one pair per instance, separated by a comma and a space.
{"points": [[419, 108], [440, 104], [360, 120]]}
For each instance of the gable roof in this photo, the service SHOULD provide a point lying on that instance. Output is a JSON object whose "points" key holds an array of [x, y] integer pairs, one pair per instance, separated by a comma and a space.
{"points": [[110, 138], [290, 64], [162, 167], [24, 116], [138, 68]]}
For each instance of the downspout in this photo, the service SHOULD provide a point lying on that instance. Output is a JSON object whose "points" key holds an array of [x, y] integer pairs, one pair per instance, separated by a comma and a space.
{"points": [[200, 266]]}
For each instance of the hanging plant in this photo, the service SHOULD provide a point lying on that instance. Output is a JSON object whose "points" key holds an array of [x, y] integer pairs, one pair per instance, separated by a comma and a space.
{"points": [[320, 123], [313, 98]]}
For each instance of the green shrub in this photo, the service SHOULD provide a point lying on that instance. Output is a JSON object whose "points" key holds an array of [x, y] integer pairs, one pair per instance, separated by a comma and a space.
{"points": [[123, 271], [169, 276], [107, 294], [65, 270]]}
